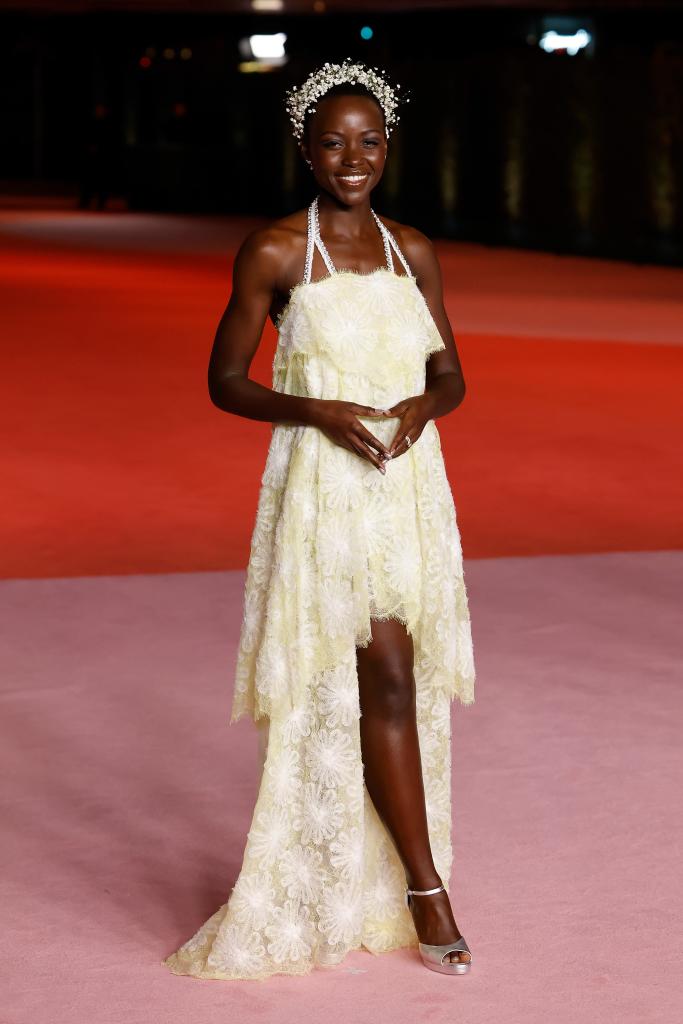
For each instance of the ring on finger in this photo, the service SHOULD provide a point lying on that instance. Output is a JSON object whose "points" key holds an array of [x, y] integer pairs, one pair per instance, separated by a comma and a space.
{"points": [[407, 441]]}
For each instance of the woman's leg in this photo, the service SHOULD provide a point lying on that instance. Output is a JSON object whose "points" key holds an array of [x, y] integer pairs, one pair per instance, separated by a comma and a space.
{"points": [[393, 770]]}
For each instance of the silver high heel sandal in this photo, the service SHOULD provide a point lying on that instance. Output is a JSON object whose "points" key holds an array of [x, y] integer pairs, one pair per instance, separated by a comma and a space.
{"points": [[433, 956]]}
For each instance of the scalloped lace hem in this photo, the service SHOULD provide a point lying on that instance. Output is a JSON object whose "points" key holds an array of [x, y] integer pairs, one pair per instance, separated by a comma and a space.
{"points": [[186, 966]]}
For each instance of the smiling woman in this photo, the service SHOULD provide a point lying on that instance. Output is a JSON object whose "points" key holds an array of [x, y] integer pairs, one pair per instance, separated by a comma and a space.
{"points": [[356, 633], [349, 151]]}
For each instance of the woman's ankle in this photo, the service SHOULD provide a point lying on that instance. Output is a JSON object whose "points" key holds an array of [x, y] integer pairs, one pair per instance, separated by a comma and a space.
{"points": [[423, 880]]}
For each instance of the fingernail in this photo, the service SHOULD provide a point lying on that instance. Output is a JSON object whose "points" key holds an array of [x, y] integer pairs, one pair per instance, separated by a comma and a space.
{"points": [[382, 469]]}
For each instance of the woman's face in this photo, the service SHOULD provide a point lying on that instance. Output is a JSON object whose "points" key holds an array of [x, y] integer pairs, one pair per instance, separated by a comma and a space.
{"points": [[347, 145]]}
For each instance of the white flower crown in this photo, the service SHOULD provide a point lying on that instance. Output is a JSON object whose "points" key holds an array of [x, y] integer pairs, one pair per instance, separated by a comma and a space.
{"points": [[300, 101]]}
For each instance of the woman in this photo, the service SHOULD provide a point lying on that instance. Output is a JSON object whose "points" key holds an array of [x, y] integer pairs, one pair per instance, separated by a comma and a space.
{"points": [[356, 632]]}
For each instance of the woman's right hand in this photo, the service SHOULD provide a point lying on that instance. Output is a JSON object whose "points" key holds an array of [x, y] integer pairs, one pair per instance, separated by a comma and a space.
{"points": [[339, 421]]}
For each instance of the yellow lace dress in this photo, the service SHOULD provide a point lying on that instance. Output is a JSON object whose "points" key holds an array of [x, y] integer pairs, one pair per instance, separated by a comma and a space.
{"points": [[336, 543]]}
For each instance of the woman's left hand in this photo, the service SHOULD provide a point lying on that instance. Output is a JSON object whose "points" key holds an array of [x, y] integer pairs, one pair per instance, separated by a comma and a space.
{"points": [[414, 413]]}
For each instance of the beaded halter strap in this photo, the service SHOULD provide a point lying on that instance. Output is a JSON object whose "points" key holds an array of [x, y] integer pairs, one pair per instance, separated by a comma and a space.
{"points": [[314, 239]]}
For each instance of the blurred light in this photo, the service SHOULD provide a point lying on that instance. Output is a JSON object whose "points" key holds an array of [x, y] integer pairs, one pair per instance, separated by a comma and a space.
{"points": [[553, 41], [319, 6], [255, 66], [186, 53], [145, 62], [267, 5], [262, 52], [151, 51], [265, 47], [180, 109], [169, 54], [366, 32]]}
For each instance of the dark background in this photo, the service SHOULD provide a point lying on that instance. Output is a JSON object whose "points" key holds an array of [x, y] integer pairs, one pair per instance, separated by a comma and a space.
{"points": [[501, 142]]}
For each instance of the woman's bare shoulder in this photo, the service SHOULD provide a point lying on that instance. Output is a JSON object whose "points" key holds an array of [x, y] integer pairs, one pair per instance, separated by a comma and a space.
{"points": [[413, 243], [276, 246], [408, 237], [278, 238]]}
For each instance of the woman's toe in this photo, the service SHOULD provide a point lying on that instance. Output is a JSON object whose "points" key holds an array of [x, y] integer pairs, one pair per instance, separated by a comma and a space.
{"points": [[460, 956]]}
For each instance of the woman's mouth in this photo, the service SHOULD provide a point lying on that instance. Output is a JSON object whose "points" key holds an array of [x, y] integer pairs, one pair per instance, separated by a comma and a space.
{"points": [[352, 181]]}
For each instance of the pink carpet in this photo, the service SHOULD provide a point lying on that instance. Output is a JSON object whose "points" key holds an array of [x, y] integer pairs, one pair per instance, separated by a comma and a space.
{"points": [[131, 797]]}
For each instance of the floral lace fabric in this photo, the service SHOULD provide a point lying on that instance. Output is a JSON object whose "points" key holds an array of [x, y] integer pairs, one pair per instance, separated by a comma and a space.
{"points": [[335, 544]]}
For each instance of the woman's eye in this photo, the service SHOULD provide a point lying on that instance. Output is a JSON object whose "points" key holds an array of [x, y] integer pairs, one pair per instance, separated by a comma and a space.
{"points": [[334, 142]]}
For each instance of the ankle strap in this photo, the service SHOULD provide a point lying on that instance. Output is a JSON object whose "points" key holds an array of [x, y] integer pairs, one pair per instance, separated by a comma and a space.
{"points": [[426, 892]]}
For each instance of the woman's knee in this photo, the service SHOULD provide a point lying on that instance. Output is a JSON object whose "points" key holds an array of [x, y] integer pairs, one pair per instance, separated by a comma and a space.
{"points": [[387, 688], [385, 671]]}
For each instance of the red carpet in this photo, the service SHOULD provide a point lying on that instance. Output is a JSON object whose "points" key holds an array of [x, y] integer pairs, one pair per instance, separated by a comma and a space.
{"points": [[115, 460]]}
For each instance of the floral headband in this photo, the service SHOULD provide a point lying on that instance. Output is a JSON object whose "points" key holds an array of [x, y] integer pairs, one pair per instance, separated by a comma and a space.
{"points": [[301, 101]]}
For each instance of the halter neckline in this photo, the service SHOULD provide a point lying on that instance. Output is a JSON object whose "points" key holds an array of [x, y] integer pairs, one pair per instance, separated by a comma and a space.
{"points": [[314, 239]]}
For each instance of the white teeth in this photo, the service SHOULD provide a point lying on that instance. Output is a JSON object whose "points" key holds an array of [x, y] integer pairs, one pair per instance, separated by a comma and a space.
{"points": [[353, 177]]}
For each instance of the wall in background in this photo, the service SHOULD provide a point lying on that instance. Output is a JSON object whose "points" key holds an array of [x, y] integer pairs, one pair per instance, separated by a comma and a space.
{"points": [[501, 143]]}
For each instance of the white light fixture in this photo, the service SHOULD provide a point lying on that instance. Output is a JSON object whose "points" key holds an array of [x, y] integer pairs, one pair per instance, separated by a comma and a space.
{"points": [[268, 47], [553, 41], [267, 5]]}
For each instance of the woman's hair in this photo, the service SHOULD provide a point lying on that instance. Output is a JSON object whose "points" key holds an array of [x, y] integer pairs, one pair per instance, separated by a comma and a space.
{"points": [[345, 89]]}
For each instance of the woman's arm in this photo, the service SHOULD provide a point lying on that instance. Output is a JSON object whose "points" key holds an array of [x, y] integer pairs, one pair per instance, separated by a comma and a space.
{"points": [[445, 384], [257, 268], [256, 274]]}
